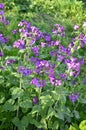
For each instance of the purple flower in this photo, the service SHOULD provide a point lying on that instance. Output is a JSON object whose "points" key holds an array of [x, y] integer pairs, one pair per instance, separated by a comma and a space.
{"points": [[54, 43], [71, 45], [84, 24], [59, 30], [47, 38], [35, 100], [73, 82], [14, 31], [2, 68], [74, 97], [34, 59], [43, 44], [3, 39], [1, 54], [60, 58], [76, 27], [38, 83], [32, 41], [73, 66], [35, 49], [82, 61], [58, 82], [24, 71], [4, 20], [53, 53], [10, 61], [54, 81], [1, 12], [1, 6], [63, 76], [84, 81], [22, 23], [19, 44]]}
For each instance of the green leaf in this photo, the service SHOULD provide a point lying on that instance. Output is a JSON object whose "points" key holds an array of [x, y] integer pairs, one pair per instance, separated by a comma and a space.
{"points": [[17, 92], [72, 128], [47, 99], [1, 80], [82, 125], [24, 121], [16, 121], [55, 96], [9, 105], [2, 97], [50, 124], [76, 114], [51, 112], [27, 103], [35, 109], [43, 123], [55, 125], [60, 114], [82, 101]]}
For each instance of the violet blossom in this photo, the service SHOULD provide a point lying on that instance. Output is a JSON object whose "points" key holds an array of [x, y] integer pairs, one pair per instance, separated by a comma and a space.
{"points": [[24, 71], [20, 44], [74, 97]]}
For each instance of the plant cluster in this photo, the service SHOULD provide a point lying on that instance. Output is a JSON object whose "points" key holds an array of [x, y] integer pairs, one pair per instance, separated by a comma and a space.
{"points": [[42, 82]]}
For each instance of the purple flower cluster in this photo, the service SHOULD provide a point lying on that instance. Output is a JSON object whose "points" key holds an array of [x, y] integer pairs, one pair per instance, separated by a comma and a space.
{"points": [[74, 66], [74, 97], [63, 54], [19, 44], [35, 49], [44, 67], [2, 17], [9, 61], [1, 6], [24, 71], [3, 39], [38, 83], [78, 42], [53, 80], [28, 31], [59, 30]]}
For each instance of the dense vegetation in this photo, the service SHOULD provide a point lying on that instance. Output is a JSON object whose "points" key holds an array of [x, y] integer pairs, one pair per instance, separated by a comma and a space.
{"points": [[42, 65]]}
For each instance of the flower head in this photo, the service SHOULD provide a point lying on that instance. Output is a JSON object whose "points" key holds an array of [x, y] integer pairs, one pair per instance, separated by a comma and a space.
{"points": [[24, 71], [76, 27], [74, 97], [35, 100], [1, 6], [19, 44]]}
